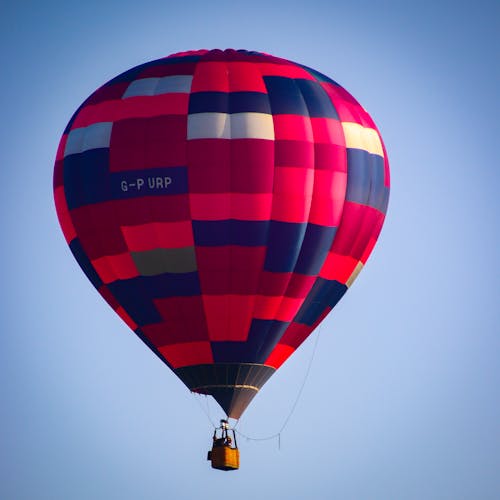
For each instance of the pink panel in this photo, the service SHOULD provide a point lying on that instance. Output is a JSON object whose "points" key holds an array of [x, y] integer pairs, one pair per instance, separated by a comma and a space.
{"points": [[292, 127]]}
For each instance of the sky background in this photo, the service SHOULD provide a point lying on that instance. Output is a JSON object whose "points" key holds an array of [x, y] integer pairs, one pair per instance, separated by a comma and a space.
{"points": [[402, 398]]}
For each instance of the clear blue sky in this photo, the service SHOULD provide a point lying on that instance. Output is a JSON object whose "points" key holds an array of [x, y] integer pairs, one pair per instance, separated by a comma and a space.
{"points": [[402, 401]]}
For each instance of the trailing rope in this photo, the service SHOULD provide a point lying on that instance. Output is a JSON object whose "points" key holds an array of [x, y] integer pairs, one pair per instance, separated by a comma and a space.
{"points": [[294, 405]]}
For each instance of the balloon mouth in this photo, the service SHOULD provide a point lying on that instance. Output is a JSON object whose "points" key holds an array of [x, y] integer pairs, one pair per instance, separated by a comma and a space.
{"points": [[232, 385]]}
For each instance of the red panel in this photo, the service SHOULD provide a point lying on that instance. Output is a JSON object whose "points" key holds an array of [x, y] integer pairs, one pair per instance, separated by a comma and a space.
{"points": [[294, 154], [245, 77], [366, 231], [188, 353], [175, 331], [299, 285], [58, 179], [377, 227], [160, 70], [88, 218], [278, 308], [288, 70], [293, 180], [209, 162], [158, 235], [169, 208], [113, 267], [211, 206], [352, 231], [273, 283], [133, 107], [228, 316], [166, 129], [126, 318], [289, 308], [133, 211], [293, 188], [108, 297], [63, 214], [279, 355], [387, 174], [210, 76], [241, 206], [230, 269], [292, 127], [330, 157], [128, 145], [97, 230], [295, 334], [266, 306], [166, 141], [102, 241], [252, 206], [177, 308], [338, 267], [289, 208], [252, 166], [215, 282], [60, 149]]}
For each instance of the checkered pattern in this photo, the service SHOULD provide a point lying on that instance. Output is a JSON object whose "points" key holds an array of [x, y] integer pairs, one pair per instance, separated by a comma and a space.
{"points": [[222, 202]]}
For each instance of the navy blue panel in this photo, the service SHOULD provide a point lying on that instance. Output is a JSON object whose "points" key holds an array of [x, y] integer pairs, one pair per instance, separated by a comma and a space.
{"points": [[319, 76], [233, 102], [149, 182], [285, 96], [317, 241], [86, 177], [365, 179], [230, 232], [324, 293], [385, 200], [136, 294], [172, 285], [82, 259], [127, 76], [242, 102], [262, 339], [283, 246], [318, 103], [133, 296], [87, 180], [203, 102], [132, 73]]}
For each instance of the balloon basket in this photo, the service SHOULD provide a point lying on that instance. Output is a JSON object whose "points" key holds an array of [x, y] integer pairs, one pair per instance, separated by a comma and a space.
{"points": [[224, 454]]}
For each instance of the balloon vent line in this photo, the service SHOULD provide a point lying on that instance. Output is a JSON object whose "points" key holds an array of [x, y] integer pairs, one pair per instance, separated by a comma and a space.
{"points": [[294, 405]]}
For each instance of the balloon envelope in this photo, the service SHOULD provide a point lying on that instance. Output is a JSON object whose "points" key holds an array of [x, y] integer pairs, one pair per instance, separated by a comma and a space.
{"points": [[222, 202]]}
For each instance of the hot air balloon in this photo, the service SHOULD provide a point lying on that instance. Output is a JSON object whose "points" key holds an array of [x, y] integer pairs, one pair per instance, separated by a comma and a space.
{"points": [[222, 203]]}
